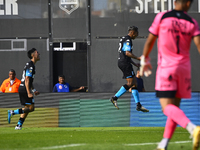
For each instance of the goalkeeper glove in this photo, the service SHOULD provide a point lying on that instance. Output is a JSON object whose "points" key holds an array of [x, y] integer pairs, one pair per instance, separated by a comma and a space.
{"points": [[145, 66]]}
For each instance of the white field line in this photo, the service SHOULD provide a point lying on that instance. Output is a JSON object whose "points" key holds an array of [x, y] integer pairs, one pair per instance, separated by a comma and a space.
{"points": [[62, 146], [136, 144]]}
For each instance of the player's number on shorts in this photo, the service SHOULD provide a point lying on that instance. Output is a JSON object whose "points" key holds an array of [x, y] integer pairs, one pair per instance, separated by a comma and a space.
{"points": [[120, 46], [119, 50], [177, 43], [23, 76]]}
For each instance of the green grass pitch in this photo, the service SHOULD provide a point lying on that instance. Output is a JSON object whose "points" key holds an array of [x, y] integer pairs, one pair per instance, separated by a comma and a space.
{"points": [[90, 138]]}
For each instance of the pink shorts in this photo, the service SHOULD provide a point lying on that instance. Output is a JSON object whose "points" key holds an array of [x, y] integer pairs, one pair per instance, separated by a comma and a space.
{"points": [[177, 78]]}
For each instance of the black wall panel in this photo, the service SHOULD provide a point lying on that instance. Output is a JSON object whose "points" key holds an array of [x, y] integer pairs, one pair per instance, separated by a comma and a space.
{"points": [[73, 29], [23, 28], [69, 26], [17, 59], [107, 20]]}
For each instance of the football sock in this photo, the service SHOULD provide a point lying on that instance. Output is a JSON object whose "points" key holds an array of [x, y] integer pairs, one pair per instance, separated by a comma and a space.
{"points": [[169, 128], [164, 142], [190, 127], [115, 98], [122, 90], [18, 111], [135, 94], [176, 114], [21, 121], [139, 105]]}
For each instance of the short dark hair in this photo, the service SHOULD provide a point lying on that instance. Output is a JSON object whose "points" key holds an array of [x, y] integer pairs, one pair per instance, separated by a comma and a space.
{"points": [[29, 53], [134, 28], [12, 70], [61, 76]]}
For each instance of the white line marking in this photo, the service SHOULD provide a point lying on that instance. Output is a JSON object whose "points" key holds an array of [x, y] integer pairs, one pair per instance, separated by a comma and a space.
{"points": [[62, 146], [136, 144]]}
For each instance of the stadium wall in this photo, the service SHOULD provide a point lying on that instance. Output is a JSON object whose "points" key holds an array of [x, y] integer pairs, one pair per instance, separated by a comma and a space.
{"points": [[98, 24], [93, 110]]}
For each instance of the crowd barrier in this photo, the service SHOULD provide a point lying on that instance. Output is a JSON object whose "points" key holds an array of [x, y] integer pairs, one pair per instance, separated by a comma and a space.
{"points": [[93, 110]]}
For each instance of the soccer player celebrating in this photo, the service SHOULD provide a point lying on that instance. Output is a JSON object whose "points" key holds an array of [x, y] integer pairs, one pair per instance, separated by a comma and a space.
{"points": [[25, 88], [125, 64], [175, 30]]}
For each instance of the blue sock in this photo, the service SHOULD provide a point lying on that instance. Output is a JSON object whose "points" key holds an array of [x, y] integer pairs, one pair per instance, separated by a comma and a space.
{"points": [[121, 91], [16, 111], [135, 94]]}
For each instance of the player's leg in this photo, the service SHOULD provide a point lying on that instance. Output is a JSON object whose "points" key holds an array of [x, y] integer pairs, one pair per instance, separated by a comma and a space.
{"points": [[128, 74], [170, 124], [27, 109], [125, 87], [14, 112], [170, 93], [177, 115], [135, 95], [20, 110], [121, 91], [22, 97], [21, 121], [170, 127]]}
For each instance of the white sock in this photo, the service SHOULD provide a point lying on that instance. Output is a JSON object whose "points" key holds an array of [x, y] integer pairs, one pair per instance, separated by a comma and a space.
{"points": [[190, 127], [163, 143]]}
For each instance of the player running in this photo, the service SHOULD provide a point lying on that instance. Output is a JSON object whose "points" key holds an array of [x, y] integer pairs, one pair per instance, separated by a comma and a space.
{"points": [[174, 30], [25, 88], [125, 64]]}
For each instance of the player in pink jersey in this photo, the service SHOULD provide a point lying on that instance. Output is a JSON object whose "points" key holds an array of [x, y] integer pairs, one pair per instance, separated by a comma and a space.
{"points": [[174, 30]]}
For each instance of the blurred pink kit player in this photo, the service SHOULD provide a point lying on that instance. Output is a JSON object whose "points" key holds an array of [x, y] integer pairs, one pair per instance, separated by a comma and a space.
{"points": [[175, 30], [174, 69]]}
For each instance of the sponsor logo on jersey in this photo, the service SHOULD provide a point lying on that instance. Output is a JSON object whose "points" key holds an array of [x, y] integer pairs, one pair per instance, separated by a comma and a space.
{"points": [[60, 87]]}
